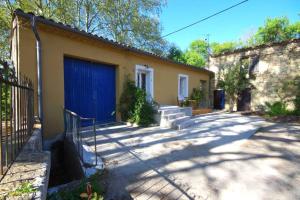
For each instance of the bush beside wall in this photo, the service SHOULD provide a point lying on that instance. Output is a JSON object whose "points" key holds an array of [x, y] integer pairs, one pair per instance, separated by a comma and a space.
{"points": [[133, 105]]}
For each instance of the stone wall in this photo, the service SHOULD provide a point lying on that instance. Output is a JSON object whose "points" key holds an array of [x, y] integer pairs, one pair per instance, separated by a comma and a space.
{"points": [[276, 62]]}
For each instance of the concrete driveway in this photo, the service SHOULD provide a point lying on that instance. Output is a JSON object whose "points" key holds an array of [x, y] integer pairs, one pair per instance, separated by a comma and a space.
{"points": [[206, 161]]}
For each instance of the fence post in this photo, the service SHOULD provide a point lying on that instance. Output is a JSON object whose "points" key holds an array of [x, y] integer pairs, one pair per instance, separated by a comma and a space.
{"points": [[6, 131]]}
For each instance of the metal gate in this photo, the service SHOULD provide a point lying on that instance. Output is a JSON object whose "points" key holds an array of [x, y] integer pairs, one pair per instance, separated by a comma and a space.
{"points": [[90, 89]]}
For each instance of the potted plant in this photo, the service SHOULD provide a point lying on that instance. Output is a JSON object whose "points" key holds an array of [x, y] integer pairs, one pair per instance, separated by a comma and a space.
{"points": [[195, 98]]}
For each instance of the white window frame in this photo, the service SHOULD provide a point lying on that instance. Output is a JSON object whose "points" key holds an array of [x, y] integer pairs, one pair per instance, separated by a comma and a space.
{"points": [[187, 86], [149, 76]]}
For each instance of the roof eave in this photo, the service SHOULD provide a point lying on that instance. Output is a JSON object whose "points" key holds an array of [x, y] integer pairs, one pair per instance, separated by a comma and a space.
{"points": [[60, 25]]}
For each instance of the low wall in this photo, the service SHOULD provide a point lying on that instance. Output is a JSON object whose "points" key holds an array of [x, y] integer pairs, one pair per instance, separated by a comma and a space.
{"points": [[31, 166]]}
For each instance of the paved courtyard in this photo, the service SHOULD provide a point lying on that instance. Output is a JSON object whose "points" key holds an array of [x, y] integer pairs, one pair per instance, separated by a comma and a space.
{"points": [[211, 160]]}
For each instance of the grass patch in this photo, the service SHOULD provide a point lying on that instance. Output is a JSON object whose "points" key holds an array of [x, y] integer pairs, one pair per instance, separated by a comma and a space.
{"points": [[81, 191]]}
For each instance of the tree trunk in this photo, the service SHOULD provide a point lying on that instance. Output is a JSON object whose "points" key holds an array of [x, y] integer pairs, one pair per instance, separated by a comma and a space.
{"points": [[231, 104]]}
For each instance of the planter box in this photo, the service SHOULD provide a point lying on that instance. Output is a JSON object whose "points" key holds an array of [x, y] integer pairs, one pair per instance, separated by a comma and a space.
{"points": [[200, 111]]}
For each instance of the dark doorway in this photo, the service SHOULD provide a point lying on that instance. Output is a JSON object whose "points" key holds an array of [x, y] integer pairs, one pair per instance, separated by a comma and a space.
{"points": [[219, 99], [244, 100]]}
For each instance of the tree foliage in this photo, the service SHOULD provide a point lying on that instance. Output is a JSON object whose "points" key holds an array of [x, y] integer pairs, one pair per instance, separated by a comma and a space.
{"points": [[200, 47], [276, 30], [196, 54], [234, 79], [218, 48], [133, 22], [176, 54], [194, 58]]}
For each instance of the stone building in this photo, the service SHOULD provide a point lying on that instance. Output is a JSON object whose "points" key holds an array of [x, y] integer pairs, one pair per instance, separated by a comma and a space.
{"points": [[271, 65]]}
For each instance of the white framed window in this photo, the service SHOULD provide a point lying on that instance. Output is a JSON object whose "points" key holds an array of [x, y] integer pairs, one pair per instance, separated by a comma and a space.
{"points": [[144, 79], [183, 86]]}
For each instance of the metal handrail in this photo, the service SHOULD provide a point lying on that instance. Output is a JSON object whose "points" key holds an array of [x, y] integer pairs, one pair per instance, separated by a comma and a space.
{"points": [[73, 127]]}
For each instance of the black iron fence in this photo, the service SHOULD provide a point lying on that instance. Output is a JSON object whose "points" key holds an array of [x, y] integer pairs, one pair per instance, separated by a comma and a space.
{"points": [[17, 115], [76, 131]]}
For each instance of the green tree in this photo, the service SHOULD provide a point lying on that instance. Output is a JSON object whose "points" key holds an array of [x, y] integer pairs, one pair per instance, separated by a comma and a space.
{"points": [[274, 30], [277, 30], [194, 58], [218, 48], [294, 29], [234, 79], [132, 22], [197, 53], [176, 54], [200, 47]]}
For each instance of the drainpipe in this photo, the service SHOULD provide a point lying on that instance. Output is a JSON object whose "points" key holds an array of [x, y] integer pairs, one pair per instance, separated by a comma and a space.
{"points": [[39, 70]]}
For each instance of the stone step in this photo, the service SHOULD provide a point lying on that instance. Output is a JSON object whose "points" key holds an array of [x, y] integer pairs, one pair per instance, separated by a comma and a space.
{"points": [[173, 123], [185, 124], [174, 116], [169, 116], [186, 110], [170, 111]]}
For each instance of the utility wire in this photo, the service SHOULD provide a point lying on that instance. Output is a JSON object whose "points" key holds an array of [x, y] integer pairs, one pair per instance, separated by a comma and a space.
{"points": [[206, 18]]}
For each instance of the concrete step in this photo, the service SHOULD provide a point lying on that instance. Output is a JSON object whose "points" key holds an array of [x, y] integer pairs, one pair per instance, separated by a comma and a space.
{"points": [[170, 111], [185, 124], [169, 116], [186, 110], [173, 123], [174, 116]]}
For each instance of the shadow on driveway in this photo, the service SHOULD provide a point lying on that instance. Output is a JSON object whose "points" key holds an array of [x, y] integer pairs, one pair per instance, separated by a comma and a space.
{"points": [[206, 161]]}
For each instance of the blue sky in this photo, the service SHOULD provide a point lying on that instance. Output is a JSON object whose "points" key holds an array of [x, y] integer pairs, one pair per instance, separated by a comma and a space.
{"points": [[236, 23]]}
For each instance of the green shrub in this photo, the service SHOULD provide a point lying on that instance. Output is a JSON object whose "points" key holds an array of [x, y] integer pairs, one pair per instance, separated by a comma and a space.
{"points": [[276, 109], [185, 103], [133, 105], [127, 100], [143, 111], [196, 95]]}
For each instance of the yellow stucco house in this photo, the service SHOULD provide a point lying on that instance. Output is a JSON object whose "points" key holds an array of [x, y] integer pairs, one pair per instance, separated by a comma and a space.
{"points": [[70, 67]]}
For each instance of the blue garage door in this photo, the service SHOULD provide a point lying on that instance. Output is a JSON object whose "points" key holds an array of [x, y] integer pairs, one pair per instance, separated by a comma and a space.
{"points": [[90, 89]]}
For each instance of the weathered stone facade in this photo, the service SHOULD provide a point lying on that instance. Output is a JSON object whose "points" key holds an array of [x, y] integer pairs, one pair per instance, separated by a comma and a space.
{"points": [[275, 62]]}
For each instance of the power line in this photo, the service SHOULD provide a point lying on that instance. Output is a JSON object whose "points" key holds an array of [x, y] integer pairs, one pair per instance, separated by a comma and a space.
{"points": [[206, 18]]}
